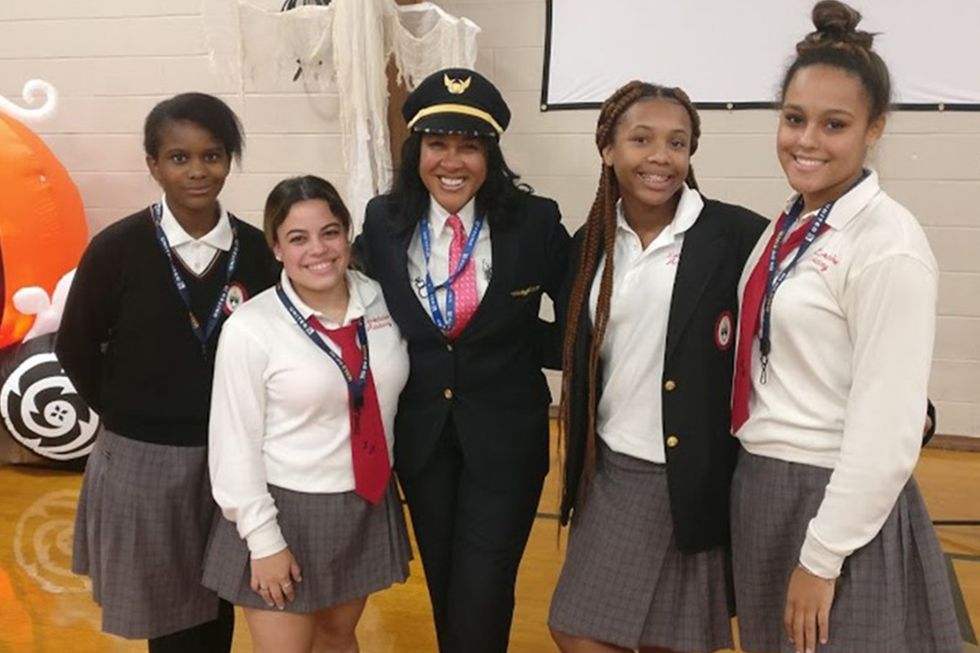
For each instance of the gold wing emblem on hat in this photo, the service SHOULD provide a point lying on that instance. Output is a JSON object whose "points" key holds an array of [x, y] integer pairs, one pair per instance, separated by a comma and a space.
{"points": [[456, 86]]}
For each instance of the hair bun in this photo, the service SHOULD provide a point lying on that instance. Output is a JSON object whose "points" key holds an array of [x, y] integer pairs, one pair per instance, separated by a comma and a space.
{"points": [[836, 24]]}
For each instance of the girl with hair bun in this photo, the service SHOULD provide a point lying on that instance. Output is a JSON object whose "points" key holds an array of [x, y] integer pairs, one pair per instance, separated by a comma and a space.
{"points": [[833, 549], [652, 304]]}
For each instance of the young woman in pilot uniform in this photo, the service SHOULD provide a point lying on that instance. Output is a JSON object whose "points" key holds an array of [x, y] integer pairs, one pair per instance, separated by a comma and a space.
{"points": [[464, 254]]}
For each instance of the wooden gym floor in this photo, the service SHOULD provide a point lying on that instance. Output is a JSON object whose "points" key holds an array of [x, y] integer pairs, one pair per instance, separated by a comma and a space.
{"points": [[44, 608]]}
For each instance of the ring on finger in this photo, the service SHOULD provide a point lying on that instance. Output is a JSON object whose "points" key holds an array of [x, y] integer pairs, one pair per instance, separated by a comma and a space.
{"points": [[286, 584]]}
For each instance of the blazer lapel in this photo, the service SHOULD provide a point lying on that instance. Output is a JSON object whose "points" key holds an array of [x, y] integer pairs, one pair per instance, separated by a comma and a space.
{"points": [[700, 255]]}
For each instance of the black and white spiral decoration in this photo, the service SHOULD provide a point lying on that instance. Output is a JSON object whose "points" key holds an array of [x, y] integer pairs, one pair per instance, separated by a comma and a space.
{"points": [[43, 411]]}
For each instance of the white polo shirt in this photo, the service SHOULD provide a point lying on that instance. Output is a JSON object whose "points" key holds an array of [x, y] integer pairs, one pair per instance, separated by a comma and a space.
{"points": [[442, 238], [630, 415], [279, 411], [852, 337], [197, 254]]}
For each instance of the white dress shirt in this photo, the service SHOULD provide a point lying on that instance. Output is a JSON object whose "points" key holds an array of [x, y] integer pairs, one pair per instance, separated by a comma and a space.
{"points": [[197, 254], [852, 337], [279, 407], [630, 416], [442, 237]]}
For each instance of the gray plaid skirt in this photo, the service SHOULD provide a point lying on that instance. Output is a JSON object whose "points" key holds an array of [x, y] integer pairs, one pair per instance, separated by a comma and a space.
{"points": [[346, 548], [893, 595], [624, 582], [141, 529]]}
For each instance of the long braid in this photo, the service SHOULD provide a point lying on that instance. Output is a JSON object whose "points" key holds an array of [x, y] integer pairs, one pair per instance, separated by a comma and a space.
{"points": [[600, 231]]}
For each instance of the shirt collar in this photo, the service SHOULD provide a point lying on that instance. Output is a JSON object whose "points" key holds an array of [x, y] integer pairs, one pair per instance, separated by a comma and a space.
{"points": [[221, 237], [438, 215], [689, 207], [848, 205], [362, 294]]}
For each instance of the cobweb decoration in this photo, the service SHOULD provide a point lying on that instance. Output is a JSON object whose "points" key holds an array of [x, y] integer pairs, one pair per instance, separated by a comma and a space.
{"points": [[342, 48], [424, 38]]}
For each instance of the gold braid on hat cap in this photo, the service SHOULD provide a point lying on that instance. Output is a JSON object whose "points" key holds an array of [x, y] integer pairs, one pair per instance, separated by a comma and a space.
{"points": [[463, 109]]}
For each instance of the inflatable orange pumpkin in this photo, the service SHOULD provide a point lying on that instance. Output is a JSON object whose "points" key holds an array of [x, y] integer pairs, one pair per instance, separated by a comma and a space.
{"points": [[42, 222]]}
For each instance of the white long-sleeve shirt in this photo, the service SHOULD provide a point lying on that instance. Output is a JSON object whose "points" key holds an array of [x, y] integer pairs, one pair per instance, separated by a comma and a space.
{"points": [[279, 407], [852, 338]]}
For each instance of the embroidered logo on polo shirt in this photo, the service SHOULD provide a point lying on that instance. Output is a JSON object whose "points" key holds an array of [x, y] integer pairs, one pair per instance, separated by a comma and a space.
{"points": [[378, 322], [724, 331], [824, 260], [236, 297]]}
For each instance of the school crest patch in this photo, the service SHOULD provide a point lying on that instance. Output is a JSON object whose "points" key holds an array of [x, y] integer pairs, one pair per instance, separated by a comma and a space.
{"points": [[724, 331], [236, 297]]}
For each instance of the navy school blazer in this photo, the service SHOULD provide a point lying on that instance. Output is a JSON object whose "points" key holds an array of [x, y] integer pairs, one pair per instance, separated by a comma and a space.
{"points": [[697, 377]]}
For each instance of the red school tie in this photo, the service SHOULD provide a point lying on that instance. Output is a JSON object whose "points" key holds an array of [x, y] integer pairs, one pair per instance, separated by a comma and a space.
{"points": [[369, 449], [748, 321], [464, 285]]}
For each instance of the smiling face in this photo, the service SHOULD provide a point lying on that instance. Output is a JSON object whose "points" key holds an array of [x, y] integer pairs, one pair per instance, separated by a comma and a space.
{"points": [[650, 155], [453, 167], [314, 249], [824, 133], [191, 167]]}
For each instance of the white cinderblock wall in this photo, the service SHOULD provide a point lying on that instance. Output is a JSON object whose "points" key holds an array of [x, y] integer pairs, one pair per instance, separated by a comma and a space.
{"points": [[113, 59]]}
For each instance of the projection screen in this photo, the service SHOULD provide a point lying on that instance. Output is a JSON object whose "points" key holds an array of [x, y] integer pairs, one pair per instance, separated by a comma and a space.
{"points": [[731, 53]]}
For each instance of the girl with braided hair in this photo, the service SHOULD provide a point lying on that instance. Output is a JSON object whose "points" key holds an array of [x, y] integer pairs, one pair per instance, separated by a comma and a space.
{"points": [[645, 411], [832, 546]]}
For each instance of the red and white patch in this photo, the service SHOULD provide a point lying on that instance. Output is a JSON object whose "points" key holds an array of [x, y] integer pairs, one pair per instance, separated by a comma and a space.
{"points": [[724, 331], [236, 297]]}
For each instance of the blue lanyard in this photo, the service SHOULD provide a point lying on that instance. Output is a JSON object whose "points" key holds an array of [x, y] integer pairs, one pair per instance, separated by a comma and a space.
{"points": [[445, 324], [355, 386], [202, 334], [775, 277]]}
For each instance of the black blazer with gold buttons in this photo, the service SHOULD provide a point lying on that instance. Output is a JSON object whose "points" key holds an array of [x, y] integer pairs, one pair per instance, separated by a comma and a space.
{"points": [[489, 380], [696, 384]]}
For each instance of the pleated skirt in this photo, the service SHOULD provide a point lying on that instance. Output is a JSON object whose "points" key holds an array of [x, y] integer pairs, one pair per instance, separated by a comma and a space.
{"points": [[141, 529], [893, 595], [624, 582], [345, 546]]}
